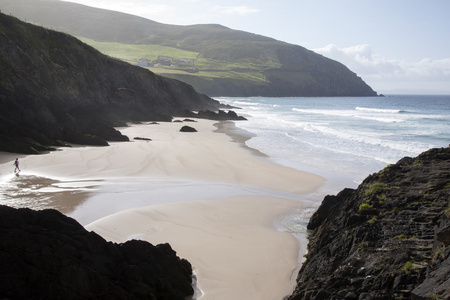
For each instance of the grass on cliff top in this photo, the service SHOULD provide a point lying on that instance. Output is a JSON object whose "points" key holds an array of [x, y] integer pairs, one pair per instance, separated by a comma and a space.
{"points": [[134, 51], [205, 67]]}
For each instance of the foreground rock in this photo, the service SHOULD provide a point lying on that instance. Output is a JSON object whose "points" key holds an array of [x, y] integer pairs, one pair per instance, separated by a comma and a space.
{"points": [[46, 255], [388, 239]]}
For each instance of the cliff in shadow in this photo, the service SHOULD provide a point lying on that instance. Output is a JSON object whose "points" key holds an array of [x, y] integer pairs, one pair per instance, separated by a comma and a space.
{"points": [[214, 59], [54, 89], [46, 255], [388, 239]]}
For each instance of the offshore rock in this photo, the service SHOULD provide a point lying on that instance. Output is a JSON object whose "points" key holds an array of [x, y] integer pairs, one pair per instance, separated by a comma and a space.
{"points": [[388, 239], [46, 255]]}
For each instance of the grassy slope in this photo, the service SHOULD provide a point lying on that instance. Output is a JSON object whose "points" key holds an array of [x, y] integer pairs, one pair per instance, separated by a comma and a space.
{"points": [[205, 67]]}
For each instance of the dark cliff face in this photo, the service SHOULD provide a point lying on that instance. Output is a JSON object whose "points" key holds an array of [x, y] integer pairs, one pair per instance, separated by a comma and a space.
{"points": [[46, 255], [388, 239], [55, 88]]}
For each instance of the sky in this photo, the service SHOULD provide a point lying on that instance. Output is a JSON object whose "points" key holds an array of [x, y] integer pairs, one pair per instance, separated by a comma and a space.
{"points": [[395, 46]]}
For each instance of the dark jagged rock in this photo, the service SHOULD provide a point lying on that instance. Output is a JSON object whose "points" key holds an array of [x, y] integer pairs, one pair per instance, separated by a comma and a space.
{"points": [[220, 115], [188, 129], [388, 239], [46, 255], [55, 88], [443, 235]]}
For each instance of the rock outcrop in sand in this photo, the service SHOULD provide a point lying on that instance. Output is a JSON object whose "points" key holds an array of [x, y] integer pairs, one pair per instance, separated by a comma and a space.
{"points": [[46, 255], [388, 239]]}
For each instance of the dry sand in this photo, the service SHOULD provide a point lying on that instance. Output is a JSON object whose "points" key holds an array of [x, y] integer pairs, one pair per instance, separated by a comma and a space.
{"points": [[232, 242]]}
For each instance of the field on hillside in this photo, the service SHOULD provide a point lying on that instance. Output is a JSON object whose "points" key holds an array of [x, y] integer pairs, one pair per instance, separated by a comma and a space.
{"points": [[169, 60]]}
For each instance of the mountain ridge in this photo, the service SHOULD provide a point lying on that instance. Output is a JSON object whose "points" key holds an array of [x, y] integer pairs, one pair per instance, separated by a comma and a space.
{"points": [[244, 64]]}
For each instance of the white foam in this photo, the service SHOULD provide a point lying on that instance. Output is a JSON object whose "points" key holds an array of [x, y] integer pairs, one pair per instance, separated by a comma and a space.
{"points": [[338, 113], [296, 222], [380, 110], [374, 115], [245, 103]]}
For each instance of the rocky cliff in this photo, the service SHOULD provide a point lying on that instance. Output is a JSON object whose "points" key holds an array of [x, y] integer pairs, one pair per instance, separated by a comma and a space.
{"points": [[46, 255], [388, 239], [56, 89]]}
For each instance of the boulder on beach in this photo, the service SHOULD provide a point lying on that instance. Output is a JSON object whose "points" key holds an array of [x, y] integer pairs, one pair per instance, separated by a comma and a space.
{"points": [[188, 129]]}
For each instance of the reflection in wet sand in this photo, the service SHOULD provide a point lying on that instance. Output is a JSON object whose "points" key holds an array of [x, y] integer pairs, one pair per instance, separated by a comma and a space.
{"points": [[39, 193]]}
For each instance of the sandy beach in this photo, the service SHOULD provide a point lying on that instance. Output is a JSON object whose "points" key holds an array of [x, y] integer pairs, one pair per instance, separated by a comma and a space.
{"points": [[218, 203]]}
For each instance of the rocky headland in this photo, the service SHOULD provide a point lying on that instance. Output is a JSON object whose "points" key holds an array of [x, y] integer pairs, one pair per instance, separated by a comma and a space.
{"points": [[55, 90], [47, 255], [388, 239]]}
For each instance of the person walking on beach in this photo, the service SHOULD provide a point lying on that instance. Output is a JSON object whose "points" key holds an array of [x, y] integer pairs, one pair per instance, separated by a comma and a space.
{"points": [[16, 163]]}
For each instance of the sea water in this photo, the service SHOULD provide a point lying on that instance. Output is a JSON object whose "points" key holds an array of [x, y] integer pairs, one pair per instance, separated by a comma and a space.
{"points": [[344, 138]]}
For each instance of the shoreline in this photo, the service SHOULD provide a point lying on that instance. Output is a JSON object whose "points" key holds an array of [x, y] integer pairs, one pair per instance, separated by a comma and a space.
{"points": [[202, 175]]}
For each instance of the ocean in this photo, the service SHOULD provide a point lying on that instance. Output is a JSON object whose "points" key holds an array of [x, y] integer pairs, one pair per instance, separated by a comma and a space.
{"points": [[344, 139]]}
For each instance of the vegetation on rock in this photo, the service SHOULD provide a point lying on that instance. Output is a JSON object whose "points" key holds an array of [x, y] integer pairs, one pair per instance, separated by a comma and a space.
{"points": [[388, 239]]}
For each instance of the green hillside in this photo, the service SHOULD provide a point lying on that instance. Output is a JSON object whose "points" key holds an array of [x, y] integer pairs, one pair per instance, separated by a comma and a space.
{"points": [[170, 60], [216, 60]]}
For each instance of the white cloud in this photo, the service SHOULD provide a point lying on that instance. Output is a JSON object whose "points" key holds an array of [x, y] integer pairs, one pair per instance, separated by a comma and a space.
{"points": [[382, 74], [235, 10]]}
